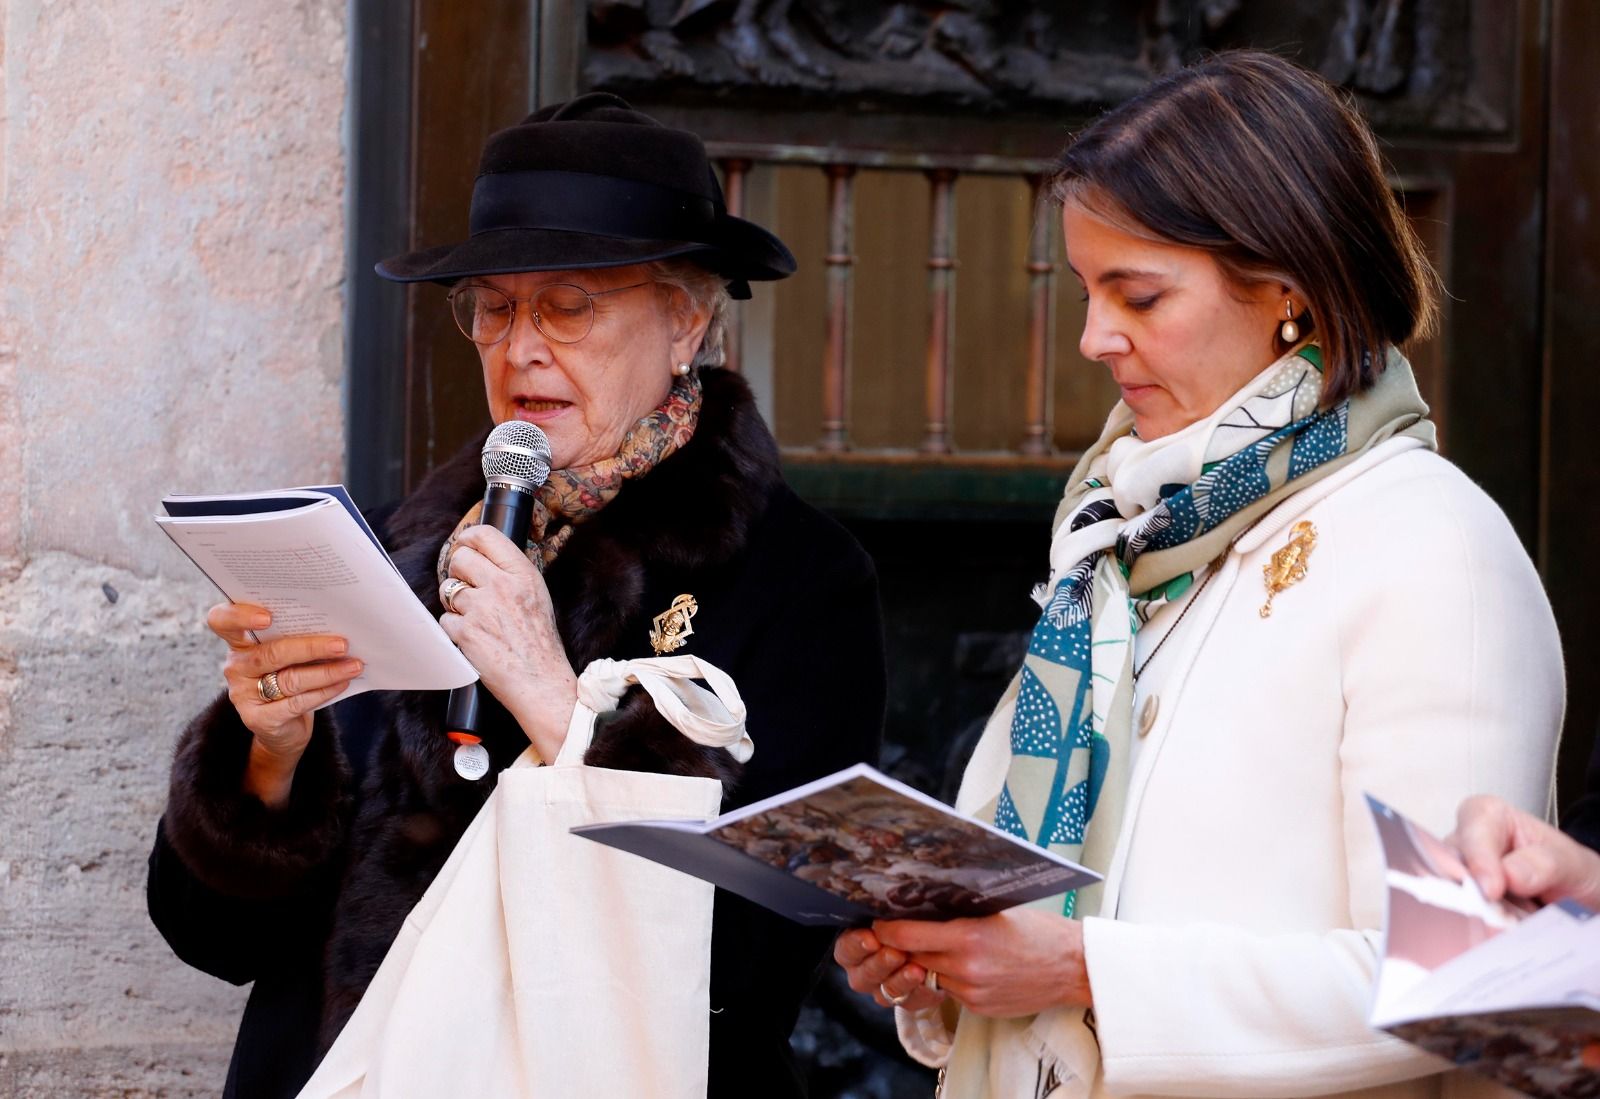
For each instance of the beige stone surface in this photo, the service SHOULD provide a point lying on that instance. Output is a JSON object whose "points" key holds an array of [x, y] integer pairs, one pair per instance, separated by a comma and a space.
{"points": [[84, 776], [172, 178], [10, 427], [154, 1071], [173, 232]]}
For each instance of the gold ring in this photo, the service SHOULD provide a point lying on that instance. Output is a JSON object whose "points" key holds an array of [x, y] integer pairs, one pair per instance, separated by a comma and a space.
{"points": [[931, 981], [448, 590], [893, 999], [267, 687]]}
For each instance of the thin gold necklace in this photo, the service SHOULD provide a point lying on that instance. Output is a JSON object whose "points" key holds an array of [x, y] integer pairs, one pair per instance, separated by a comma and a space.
{"points": [[1211, 571]]}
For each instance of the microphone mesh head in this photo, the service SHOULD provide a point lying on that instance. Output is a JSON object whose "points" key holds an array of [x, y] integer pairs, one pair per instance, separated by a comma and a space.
{"points": [[517, 453]]}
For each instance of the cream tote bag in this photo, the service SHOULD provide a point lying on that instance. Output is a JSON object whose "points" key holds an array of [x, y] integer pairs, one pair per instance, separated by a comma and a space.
{"points": [[539, 964]]}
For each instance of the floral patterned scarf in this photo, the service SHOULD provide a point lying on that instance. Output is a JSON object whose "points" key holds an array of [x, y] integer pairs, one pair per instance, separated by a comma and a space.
{"points": [[572, 495]]}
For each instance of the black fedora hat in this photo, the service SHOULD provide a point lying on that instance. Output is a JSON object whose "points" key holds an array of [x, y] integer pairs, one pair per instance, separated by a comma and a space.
{"points": [[594, 183]]}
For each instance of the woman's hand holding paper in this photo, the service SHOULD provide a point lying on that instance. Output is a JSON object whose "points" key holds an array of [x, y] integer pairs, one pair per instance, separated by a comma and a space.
{"points": [[1510, 852], [307, 671], [1017, 962]]}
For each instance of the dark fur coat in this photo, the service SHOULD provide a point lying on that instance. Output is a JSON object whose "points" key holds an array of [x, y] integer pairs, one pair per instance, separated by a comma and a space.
{"points": [[306, 899]]}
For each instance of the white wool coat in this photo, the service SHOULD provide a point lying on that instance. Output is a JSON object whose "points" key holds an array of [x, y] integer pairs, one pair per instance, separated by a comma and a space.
{"points": [[1417, 661]]}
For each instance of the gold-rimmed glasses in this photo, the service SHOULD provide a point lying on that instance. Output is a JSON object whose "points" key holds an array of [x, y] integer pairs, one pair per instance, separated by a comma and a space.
{"points": [[562, 311]]}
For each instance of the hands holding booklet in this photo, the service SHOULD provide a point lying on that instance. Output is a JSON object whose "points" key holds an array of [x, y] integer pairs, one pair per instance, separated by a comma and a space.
{"points": [[840, 851], [1489, 986], [311, 560]]}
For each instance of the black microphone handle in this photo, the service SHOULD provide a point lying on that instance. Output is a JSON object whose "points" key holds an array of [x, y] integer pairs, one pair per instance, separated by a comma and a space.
{"points": [[509, 511]]}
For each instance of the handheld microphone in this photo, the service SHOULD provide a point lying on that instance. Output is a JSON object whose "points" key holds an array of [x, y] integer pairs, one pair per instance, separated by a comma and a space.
{"points": [[516, 461]]}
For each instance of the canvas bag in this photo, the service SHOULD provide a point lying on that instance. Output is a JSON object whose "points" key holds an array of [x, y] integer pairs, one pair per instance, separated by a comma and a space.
{"points": [[541, 964]]}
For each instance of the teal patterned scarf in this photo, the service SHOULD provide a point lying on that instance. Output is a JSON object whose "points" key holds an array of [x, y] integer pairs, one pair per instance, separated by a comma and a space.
{"points": [[1139, 522]]}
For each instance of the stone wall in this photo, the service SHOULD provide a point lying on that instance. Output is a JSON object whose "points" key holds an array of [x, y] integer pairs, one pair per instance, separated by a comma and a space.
{"points": [[172, 177]]}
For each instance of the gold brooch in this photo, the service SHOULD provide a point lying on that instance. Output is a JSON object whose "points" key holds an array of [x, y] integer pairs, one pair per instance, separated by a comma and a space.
{"points": [[672, 629], [1288, 565]]}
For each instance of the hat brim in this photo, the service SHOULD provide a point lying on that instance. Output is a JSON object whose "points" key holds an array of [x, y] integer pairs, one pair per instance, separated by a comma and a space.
{"points": [[745, 252]]}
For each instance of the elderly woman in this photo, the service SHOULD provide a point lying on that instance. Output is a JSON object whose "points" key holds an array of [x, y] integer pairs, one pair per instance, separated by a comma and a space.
{"points": [[1268, 597], [594, 286]]}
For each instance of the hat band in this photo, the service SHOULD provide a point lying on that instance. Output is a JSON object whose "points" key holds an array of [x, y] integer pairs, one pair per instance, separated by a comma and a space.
{"points": [[578, 202]]}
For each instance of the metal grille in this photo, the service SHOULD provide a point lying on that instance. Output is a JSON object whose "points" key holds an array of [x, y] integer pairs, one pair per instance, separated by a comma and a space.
{"points": [[1036, 374], [517, 453]]}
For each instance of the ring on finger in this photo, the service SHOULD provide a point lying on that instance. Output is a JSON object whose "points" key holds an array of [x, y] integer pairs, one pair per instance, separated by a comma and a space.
{"points": [[269, 688], [931, 981], [448, 590], [883, 990]]}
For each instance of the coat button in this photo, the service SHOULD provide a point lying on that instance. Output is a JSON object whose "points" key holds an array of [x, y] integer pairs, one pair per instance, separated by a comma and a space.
{"points": [[1147, 714]]}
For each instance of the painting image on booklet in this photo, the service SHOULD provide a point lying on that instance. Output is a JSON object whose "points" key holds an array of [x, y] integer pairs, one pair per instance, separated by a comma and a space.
{"points": [[854, 847]]}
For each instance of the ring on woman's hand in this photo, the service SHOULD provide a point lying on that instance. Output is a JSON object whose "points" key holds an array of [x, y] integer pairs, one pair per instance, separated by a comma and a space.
{"points": [[891, 997], [931, 981], [267, 687], [448, 590]]}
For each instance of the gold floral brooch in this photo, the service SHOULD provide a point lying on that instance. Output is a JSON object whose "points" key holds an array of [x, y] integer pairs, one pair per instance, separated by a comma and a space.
{"points": [[1288, 565], [672, 627]]}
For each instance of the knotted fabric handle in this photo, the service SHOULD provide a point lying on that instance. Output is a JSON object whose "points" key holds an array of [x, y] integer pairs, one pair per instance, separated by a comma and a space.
{"points": [[714, 718]]}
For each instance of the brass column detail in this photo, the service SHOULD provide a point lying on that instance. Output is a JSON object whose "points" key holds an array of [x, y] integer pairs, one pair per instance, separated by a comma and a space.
{"points": [[940, 374], [734, 173], [1041, 267], [840, 262]]}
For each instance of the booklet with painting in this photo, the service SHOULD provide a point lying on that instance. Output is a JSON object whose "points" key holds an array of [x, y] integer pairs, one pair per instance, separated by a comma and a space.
{"points": [[1511, 994], [850, 848], [308, 556]]}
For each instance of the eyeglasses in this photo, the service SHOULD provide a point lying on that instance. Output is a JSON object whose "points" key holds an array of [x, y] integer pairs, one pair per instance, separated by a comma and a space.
{"points": [[563, 312]]}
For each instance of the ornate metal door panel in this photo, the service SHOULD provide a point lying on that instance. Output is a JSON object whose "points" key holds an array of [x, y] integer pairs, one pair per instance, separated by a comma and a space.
{"points": [[922, 368]]}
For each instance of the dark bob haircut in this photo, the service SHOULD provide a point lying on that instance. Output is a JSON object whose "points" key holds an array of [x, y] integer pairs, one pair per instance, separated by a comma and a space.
{"points": [[1270, 169]]}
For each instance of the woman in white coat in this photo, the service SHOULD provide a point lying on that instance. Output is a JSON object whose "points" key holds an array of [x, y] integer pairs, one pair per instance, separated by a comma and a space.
{"points": [[1268, 597]]}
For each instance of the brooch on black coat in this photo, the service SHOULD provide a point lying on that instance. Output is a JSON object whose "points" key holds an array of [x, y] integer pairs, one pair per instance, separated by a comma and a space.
{"points": [[672, 626]]}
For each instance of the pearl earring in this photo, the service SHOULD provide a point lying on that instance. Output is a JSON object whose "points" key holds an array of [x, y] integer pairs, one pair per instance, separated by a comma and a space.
{"points": [[681, 370], [1289, 330]]}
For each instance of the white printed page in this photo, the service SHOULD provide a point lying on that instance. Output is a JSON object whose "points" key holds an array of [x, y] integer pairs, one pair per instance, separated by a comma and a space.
{"points": [[318, 572], [1551, 958]]}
